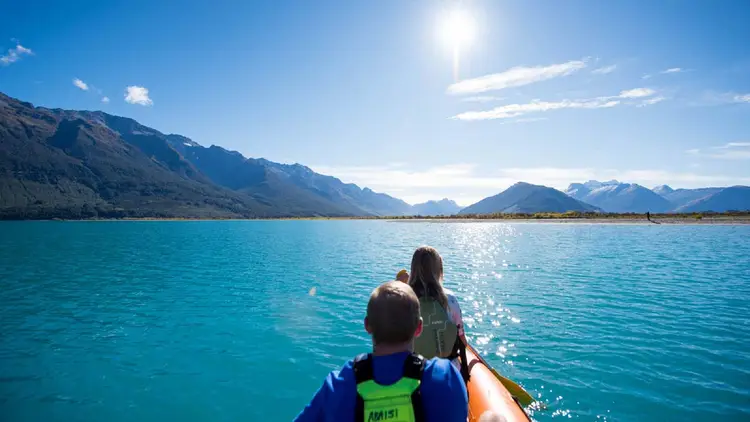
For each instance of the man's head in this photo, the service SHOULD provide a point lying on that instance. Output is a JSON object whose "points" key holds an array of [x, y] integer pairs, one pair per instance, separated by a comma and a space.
{"points": [[393, 314]]}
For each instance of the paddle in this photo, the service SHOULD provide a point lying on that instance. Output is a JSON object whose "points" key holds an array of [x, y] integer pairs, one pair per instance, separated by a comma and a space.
{"points": [[514, 389]]}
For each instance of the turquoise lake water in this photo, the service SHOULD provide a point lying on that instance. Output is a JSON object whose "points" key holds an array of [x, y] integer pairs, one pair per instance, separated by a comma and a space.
{"points": [[197, 321]]}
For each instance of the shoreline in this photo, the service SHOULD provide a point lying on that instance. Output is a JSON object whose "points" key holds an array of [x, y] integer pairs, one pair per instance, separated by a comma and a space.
{"points": [[624, 220], [727, 221]]}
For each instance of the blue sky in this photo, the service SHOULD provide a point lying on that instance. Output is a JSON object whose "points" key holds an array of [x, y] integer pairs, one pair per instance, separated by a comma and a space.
{"points": [[547, 92]]}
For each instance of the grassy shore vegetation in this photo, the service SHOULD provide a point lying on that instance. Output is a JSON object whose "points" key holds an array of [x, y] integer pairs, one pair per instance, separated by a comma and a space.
{"points": [[740, 216], [582, 216]]}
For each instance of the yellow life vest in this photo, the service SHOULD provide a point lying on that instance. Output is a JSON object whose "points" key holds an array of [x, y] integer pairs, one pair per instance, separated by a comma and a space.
{"points": [[398, 402]]}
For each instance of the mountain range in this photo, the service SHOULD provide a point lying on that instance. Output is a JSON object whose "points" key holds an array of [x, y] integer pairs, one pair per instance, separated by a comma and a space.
{"points": [[58, 163], [79, 164], [442, 207], [527, 198], [613, 196]]}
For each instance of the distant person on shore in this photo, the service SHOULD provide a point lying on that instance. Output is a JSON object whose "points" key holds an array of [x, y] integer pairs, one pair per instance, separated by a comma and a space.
{"points": [[648, 215], [444, 329], [391, 383], [403, 276]]}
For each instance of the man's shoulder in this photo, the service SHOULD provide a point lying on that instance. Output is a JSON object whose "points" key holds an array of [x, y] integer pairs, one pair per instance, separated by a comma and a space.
{"points": [[444, 391], [345, 373], [339, 381], [440, 370]]}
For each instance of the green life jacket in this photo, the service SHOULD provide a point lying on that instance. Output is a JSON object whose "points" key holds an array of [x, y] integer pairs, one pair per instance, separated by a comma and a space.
{"points": [[398, 402], [439, 334]]}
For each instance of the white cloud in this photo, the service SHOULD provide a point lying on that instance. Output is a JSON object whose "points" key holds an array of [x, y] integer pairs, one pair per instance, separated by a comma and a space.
{"points": [[465, 184], [416, 186], [515, 110], [714, 98], [517, 76], [730, 151], [15, 54], [637, 93], [482, 99], [604, 70], [80, 84], [651, 101], [105, 100], [23, 50], [137, 95], [667, 71]]}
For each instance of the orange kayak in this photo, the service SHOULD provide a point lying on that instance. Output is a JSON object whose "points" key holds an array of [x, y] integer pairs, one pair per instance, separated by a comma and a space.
{"points": [[488, 396]]}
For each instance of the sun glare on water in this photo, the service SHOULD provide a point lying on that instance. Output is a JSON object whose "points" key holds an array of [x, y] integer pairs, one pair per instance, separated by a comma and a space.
{"points": [[456, 30]]}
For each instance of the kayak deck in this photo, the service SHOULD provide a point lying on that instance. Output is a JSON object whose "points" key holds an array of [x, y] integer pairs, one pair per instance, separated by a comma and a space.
{"points": [[487, 395]]}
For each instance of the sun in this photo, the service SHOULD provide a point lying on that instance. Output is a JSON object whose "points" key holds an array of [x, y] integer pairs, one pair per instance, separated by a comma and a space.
{"points": [[456, 30]]}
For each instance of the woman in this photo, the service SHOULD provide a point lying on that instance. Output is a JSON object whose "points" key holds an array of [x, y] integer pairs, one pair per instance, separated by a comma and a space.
{"points": [[439, 307]]}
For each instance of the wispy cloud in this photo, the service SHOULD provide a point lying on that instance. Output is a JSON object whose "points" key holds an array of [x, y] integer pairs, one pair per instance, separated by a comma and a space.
{"points": [[666, 72], [80, 84], [604, 70], [15, 54], [637, 93], [536, 106], [467, 184], [515, 110], [105, 100], [714, 98], [460, 180], [730, 151], [516, 76], [651, 101], [482, 99], [137, 95]]}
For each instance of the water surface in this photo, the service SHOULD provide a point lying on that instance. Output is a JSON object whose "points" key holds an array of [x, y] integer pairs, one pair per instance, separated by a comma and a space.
{"points": [[194, 321]]}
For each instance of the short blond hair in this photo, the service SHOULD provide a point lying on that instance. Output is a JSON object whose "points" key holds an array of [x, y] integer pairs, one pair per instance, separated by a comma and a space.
{"points": [[393, 313]]}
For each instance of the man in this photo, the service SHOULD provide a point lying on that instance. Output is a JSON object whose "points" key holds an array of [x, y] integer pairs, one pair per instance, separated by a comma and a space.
{"points": [[391, 384]]}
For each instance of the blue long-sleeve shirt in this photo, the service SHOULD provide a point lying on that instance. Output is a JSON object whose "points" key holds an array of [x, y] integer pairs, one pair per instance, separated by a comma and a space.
{"points": [[444, 395]]}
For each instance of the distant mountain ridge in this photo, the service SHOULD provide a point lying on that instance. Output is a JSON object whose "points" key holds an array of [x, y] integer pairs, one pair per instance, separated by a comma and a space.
{"points": [[436, 208], [681, 197], [57, 163], [733, 198], [79, 164], [527, 198], [617, 197]]}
